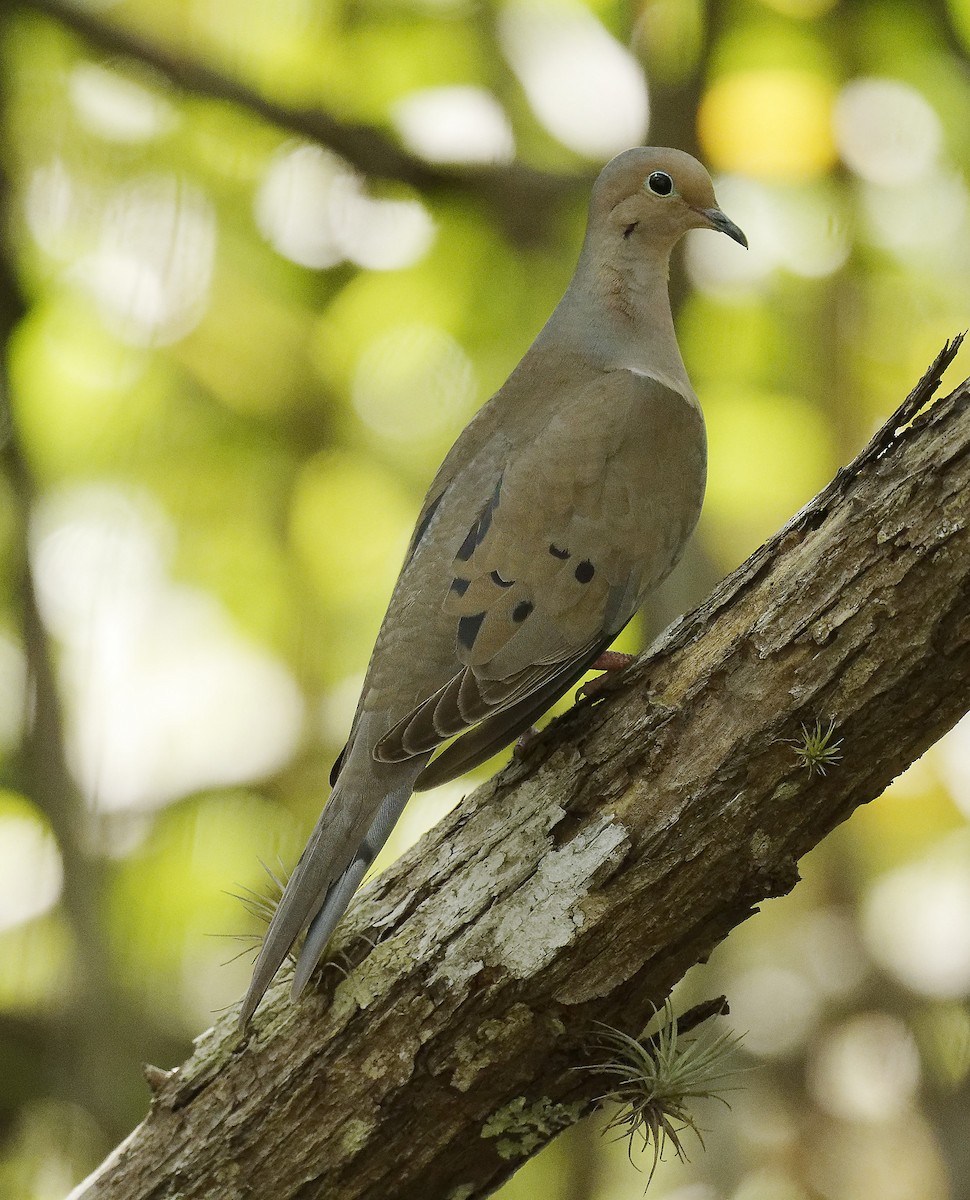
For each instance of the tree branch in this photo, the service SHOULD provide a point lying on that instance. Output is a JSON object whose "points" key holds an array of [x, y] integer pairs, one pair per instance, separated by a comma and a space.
{"points": [[517, 192], [580, 885]]}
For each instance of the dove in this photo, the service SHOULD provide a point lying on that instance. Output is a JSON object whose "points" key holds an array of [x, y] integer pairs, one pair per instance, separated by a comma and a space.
{"points": [[566, 500]]}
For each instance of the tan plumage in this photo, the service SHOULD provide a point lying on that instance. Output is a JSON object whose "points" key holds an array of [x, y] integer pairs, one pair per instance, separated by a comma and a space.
{"points": [[566, 500]]}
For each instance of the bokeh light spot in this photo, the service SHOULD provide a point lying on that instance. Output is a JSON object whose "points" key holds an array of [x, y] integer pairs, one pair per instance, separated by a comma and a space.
{"points": [[867, 1069], [151, 273], [586, 88], [455, 124], [773, 124], [413, 382], [165, 696], [887, 132], [117, 108], [916, 921], [31, 875], [314, 210]]}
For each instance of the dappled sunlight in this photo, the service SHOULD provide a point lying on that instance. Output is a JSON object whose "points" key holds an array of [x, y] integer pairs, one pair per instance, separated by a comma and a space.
{"points": [[771, 124], [314, 210], [455, 124], [150, 273], [953, 756], [804, 230], [778, 1008], [910, 225], [13, 693], [50, 207], [585, 87], [866, 1069], [116, 107], [31, 873], [887, 132], [292, 205], [413, 382], [166, 697], [916, 920]]}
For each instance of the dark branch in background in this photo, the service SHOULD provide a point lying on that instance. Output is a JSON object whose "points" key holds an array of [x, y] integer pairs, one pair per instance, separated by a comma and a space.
{"points": [[522, 196], [579, 885], [86, 1041]]}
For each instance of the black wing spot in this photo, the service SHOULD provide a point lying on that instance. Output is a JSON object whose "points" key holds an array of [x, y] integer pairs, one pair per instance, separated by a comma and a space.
{"points": [[522, 610], [460, 586], [335, 769], [477, 532], [502, 583], [468, 628], [585, 571], [467, 548], [557, 553], [422, 529]]}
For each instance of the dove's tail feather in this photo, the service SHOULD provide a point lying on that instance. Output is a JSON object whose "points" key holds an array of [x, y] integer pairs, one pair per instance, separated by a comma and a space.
{"points": [[343, 888], [320, 889]]}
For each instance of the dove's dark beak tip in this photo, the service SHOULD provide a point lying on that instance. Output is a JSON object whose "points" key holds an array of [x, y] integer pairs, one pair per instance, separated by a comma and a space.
{"points": [[723, 224]]}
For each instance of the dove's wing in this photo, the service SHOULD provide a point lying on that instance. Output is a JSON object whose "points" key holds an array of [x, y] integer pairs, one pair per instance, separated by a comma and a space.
{"points": [[582, 518]]}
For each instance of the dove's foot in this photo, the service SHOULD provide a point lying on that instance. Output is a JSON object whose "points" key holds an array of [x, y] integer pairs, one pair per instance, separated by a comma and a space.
{"points": [[524, 740], [608, 662]]}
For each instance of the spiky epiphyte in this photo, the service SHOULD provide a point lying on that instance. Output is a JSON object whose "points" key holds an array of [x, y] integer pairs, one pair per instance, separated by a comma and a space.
{"points": [[259, 904], [657, 1078], [816, 750]]}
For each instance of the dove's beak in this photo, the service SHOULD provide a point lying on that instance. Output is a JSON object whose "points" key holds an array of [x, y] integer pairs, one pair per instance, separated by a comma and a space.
{"points": [[723, 224]]}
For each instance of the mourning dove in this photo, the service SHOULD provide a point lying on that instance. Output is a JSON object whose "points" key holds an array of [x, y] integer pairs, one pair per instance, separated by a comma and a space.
{"points": [[567, 499]]}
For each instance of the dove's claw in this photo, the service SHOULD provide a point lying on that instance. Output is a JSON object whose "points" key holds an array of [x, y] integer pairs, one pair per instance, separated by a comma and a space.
{"points": [[521, 748]]}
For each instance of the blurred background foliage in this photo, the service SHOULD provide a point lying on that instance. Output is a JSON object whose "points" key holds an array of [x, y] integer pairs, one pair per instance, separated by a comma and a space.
{"points": [[262, 261]]}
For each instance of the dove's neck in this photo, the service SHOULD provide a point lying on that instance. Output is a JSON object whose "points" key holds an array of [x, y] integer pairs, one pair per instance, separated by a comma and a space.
{"points": [[619, 318]]}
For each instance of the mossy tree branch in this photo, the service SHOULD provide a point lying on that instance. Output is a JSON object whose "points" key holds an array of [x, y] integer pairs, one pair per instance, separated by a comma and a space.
{"points": [[580, 885]]}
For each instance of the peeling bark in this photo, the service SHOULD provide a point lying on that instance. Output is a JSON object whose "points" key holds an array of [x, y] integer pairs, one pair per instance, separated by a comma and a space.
{"points": [[581, 884]]}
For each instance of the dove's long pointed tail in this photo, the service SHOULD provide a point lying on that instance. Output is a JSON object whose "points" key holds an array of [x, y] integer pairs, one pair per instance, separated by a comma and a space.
{"points": [[340, 894], [323, 883]]}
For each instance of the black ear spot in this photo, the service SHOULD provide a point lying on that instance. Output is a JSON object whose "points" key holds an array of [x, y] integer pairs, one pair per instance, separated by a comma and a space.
{"points": [[557, 553], [585, 571], [522, 610], [629, 229]]}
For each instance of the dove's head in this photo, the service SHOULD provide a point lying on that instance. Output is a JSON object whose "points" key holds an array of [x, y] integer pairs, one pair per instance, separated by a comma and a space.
{"points": [[647, 198]]}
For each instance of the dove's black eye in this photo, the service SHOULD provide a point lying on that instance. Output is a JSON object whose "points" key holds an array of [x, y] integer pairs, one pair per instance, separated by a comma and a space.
{"points": [[660, 183]]}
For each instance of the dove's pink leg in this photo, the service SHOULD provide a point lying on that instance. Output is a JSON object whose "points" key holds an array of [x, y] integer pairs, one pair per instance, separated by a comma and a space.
{"points": [[608, 662]]}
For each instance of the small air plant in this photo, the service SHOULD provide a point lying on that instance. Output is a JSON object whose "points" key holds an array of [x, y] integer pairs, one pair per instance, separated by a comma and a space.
{"points": [[816, 750], [259, 904], [657, 1078], [263, 904]]}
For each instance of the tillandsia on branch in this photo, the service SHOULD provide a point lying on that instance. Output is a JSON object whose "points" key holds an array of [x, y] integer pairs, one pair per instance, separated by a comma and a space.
{"points": [[654, 1080]]}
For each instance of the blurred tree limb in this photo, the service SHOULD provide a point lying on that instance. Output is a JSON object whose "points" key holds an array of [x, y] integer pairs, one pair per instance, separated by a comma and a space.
{"points": [[521, 196], [74, 1052], [580, 885]]}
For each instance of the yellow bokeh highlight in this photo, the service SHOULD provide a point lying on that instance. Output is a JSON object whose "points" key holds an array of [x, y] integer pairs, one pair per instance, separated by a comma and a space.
{"points": [[772, 124], [350, 521], [82, 402], [769, 454], [349, 525]]}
